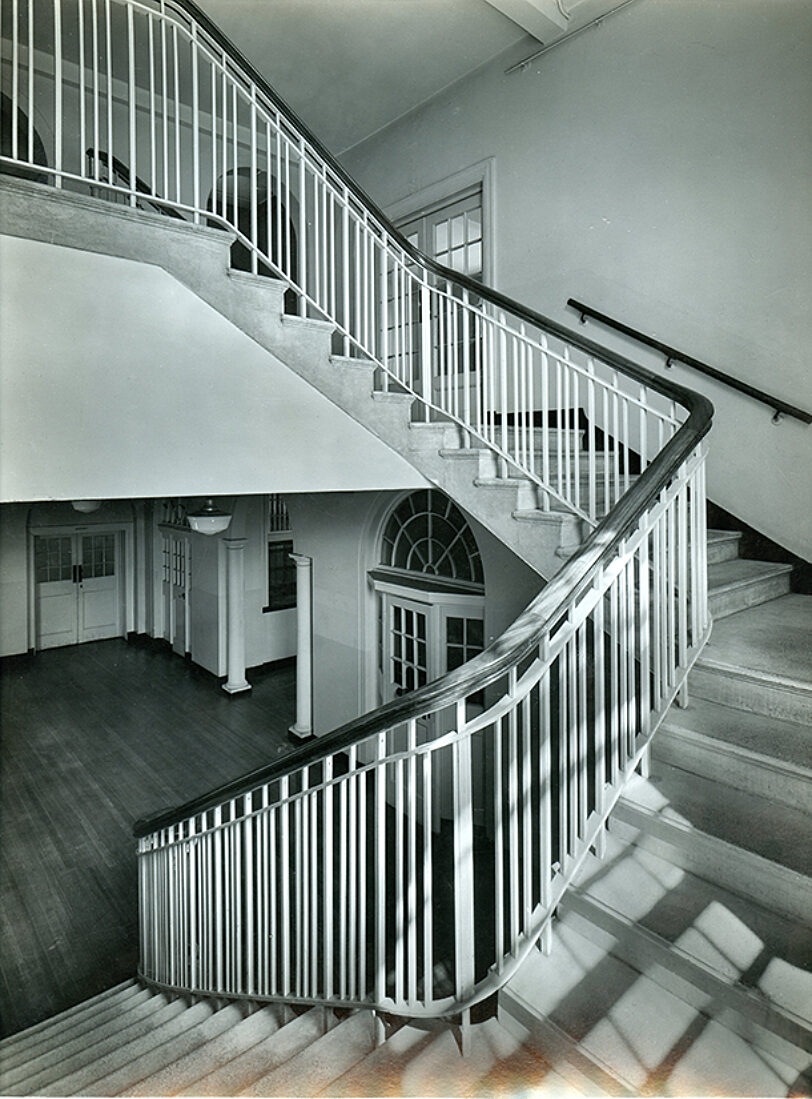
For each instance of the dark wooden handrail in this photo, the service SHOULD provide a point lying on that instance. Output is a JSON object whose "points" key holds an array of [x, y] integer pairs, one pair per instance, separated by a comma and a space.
{"points": [[523, 636], [779, 407]]}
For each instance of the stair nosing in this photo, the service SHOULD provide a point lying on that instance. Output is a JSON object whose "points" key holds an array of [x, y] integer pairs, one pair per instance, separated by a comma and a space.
{"points": [[749, 755], [730, 851], [756, 675]]}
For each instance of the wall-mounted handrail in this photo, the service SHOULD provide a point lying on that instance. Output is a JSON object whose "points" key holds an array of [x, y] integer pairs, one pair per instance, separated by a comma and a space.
{"points": [[345, 874], [673, 354]]}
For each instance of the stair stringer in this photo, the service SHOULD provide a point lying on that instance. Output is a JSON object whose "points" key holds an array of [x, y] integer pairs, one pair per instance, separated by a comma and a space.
{"points": [[199, 257]]}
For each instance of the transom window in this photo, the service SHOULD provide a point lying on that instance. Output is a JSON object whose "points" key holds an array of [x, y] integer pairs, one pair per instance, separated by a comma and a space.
{"points": [[428, 534]]}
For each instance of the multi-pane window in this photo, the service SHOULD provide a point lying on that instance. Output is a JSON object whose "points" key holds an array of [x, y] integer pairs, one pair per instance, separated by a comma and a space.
{"points": [[281, 576], [98, 555], [463, 640], [409, 661], [53, 559]]}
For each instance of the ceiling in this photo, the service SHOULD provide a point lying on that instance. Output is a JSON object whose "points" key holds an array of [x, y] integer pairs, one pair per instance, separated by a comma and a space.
{"points": [[349, 67]]}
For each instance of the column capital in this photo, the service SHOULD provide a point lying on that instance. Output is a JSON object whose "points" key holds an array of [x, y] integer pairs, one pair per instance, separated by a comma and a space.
{"points": [[301, 560], [235, 543]]}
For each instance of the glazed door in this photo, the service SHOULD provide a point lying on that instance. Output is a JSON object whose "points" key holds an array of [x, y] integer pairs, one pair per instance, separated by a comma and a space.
{"points": [[175, 585], [77, 588]]}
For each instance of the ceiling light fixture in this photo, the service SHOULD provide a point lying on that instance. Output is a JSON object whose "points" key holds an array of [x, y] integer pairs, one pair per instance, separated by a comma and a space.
{"points": [[86, 506], [209, 519]]}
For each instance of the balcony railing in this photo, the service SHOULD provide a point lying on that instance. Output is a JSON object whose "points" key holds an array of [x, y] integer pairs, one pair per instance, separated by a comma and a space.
{"points": [[379, 866]]}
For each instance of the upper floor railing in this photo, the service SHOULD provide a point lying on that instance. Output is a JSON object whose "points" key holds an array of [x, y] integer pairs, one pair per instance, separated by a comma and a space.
{"points": [[408, 860]]}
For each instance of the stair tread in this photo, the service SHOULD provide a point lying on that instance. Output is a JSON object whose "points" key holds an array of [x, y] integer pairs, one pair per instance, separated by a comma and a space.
{"points": [[257, 1061], [768, 736], [90, 1028], [599, 1001], [67, 1028], [723, 535], [12, 1041], [775, 637], [741, 570], [753, 823], [218, 1051], [168, 1053], [315, 1067], [743, 942]]}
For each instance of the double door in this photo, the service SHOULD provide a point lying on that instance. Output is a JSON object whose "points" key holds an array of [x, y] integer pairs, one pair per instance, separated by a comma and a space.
{"points": [[78, 592]]}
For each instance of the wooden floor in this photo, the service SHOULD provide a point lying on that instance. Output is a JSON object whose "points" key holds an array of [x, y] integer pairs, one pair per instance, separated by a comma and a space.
{"points": [[93, 737]]}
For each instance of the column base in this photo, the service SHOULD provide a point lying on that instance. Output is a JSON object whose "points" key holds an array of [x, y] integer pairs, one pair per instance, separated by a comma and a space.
{"points": [[236, 688], [301, 732]]}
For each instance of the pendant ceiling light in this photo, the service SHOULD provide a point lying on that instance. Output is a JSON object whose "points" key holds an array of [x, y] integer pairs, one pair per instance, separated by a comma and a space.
{"points": [[209, 519], [86, 506]]}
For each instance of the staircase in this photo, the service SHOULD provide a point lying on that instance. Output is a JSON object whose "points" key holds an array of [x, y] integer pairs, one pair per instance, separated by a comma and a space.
{"points": [[292, 920], [697, 915]]}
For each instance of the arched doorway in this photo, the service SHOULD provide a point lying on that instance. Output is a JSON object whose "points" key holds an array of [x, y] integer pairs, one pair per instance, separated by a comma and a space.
{"points": [[276, 232], [28, 145], [431, 593]]}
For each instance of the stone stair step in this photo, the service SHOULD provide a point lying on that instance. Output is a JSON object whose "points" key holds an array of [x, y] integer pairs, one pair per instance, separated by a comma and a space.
{"points": [[706, 944], [51, 1025], [629, 1033], [754, 753], [84, 1081], [69, 1026], [76, 1047], [737, 584], [644, 816], [263, 1056], [723, 545], [761, 660], [108, 1040], [314, 1068], [775, 832], [166, 1054], [217, 1051]]}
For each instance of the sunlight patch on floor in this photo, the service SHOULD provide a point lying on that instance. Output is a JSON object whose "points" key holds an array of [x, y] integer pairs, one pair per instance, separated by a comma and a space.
{"points": [[637, 1033], [722, 940], [788, 986], [634, 883], [719, 1062]]}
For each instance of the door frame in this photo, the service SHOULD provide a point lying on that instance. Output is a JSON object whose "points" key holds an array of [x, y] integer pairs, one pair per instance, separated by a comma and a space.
{"points": [[126, 573]]}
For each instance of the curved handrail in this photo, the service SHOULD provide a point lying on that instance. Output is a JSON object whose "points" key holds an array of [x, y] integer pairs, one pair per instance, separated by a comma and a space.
{"points": [[672, 353], [519, 639]]}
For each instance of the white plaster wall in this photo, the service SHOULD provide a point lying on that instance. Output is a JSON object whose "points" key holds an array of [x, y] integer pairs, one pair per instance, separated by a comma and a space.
{"points": [[658, 167], [118, 381]]}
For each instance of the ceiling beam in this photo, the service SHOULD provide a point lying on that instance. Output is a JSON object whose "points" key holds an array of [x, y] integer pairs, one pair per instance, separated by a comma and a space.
{"points": [[541, 18]]}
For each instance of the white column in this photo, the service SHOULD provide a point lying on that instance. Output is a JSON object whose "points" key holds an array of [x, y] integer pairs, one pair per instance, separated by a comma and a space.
{"points": [[304, 647], [235, 616]]}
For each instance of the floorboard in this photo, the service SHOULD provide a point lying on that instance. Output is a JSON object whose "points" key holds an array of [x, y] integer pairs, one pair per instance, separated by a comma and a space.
{"points": [[93, 737]]}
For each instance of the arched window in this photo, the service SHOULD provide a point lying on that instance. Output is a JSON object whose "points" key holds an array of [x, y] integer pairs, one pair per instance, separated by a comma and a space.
{"points": [[427, 533]]}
